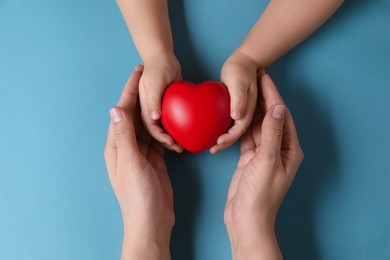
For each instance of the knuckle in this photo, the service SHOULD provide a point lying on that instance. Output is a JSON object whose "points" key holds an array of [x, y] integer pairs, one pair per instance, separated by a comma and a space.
{"points": [[276, 132], [298, 155], [228, 68], [239, 103], [149, 83], [120, 135], [239, 85], [241, 131], [239, 97]]}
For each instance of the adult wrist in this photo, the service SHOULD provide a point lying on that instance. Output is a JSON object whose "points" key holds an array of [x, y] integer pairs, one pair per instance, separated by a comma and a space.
{"points": [[146, 243], [254, 238], [256, 245]]}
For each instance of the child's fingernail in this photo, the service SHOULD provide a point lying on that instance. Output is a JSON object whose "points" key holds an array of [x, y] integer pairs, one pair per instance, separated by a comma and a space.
{"points": [[155, 115], [278, 112], [115, 115], [236, 114]]}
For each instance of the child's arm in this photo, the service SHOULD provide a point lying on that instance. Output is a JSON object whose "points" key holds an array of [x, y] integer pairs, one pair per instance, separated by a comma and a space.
{"points": [[283, 25], [149, 26]]}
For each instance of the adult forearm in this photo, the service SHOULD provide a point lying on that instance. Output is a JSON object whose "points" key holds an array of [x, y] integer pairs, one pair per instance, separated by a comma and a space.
{"points": [[283, 25], [149, 26], [256, 243]]}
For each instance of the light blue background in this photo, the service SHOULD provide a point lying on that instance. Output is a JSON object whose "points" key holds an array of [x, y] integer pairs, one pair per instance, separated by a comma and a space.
{"points": [[63, 65]]}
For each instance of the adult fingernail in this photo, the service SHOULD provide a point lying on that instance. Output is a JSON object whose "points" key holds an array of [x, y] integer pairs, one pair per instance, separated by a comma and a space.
{"points": [[236, 114], [138, 68], [115, 115], [278, 112], [155, 115]]}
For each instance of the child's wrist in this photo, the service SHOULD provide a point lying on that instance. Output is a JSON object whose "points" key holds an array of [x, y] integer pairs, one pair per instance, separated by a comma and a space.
{"points": [[244, 57], [246, 51], [162, 56]]}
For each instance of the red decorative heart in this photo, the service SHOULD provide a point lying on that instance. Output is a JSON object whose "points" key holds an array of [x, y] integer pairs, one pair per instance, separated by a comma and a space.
{"points": [[196, 115]]}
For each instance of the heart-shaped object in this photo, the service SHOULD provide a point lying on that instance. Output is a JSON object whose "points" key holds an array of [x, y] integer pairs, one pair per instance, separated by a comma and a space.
{"points": [[196, 115]]}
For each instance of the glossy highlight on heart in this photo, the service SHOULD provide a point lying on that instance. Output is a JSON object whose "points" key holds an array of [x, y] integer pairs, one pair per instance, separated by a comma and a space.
{"points": [[196, 115]]}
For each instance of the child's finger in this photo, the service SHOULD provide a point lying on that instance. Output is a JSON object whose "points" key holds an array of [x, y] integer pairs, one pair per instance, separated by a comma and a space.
{"points": [[174, 147], [154, 92], [228, 138], [238, 100], [158, 133], [110, 152], [124, 133], [240, 126]]}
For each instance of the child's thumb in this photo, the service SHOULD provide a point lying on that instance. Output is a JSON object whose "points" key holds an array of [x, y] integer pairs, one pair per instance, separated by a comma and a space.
{"points": [[239, 100], [153, 100]]}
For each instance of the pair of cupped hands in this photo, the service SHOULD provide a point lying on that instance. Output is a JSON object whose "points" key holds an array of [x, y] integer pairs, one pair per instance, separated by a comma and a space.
{"points": [[270, 155]]}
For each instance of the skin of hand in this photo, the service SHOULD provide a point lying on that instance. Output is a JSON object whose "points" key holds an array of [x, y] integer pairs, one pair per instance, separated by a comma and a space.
{"points": [[239, 74], [158, 74], [270, 158], [283, 25], [139, 178], [149, 26]]}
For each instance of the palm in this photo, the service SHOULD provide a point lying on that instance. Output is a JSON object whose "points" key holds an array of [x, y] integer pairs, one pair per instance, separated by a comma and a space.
{"points": [[240, 184], [157, 185]]}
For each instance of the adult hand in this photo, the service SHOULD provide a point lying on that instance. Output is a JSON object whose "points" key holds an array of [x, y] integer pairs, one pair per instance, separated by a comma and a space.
{"points": [[270, 157], [239, 74], [138, 175], [159, 72]]}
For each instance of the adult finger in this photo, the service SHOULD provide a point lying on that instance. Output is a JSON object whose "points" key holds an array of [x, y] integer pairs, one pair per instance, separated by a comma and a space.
{"points": [[129, 97], [124, 135], [290, 145], [272, 131], [110, 152], [269, 92]]}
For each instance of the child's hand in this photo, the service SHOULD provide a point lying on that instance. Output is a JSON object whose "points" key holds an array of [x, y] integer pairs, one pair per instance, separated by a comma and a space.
{"points": [[158, 74], [239, 74]]}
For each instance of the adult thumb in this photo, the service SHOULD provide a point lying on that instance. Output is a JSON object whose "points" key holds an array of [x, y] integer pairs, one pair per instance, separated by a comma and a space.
{"points": [[124, 132], [272, 131]]}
